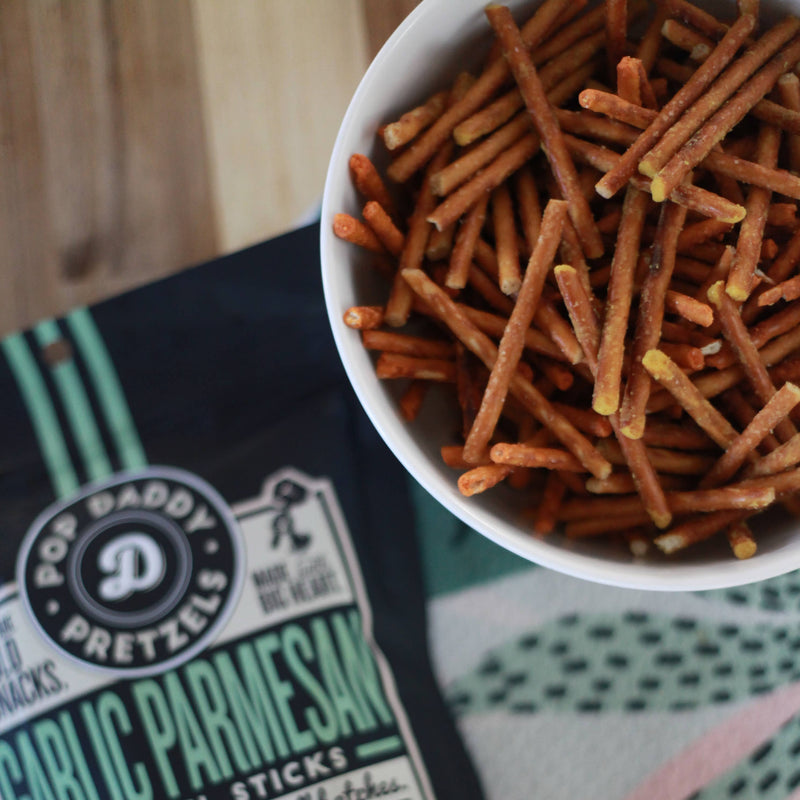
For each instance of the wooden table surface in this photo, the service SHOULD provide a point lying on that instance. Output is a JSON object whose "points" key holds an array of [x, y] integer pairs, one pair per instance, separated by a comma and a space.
{"points": [[139, 137]]}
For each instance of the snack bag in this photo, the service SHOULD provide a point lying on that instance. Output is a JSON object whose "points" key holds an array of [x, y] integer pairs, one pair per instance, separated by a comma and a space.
{"points": [[209, 582]]}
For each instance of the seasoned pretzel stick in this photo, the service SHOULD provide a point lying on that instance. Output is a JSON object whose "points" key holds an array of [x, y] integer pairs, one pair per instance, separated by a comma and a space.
{"points": [[696, 530], [634, 453], [741, 540], [479, 344], [508, 269], [693, 198], [744, 495], [650, 318], [529, 205], [513, 341], [691, 399], [743, 446], [491, 79], [369, 183], [789, 93], [721, 122], [403, 130], [785, 290], [463, 198], [737, 335], [543, 119], [547, 509], [466, 166], [751, 234], [363, 318], [393, 342], [615, 179], [490, 117], [521, 455], [688, 308], [353, 230], [697, 45], [464, 245], [395, 365], [616, 33], [650, 43], [728, 166], [383, 227], [696, 17]]}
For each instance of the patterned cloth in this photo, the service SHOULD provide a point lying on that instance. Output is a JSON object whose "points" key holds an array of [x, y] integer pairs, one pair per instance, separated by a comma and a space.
{"points": [[563, 688]]}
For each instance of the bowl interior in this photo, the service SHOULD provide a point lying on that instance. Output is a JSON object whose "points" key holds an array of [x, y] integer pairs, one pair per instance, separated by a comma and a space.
{"points": [[440, 38]]}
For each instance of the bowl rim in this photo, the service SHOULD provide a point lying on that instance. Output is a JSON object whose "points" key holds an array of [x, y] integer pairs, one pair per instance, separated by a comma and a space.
{"points": [[633, 574]]}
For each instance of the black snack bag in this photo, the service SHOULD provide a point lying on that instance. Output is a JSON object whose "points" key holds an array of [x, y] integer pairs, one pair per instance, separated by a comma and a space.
{"points": [[209, 583]]}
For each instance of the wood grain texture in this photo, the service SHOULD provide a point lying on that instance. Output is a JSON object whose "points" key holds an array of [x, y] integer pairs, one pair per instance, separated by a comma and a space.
{"points": [[138, 137]]}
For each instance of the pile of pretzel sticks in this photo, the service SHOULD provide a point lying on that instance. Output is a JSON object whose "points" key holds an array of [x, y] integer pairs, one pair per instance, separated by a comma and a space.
{"points": [[599, 232]]}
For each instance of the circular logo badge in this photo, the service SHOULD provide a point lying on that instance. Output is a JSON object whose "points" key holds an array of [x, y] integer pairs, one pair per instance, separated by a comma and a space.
{"points": [[135, 575]]}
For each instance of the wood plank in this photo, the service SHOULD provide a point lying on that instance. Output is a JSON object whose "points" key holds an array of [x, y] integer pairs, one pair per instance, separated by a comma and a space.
{"points": [[382, 17], [106, 184], [277, 78]]}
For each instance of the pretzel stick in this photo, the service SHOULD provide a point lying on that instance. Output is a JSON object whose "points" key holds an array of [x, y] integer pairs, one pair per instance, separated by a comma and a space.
{"points": [[363, 317], [634, 454], [676, 462], [368, 181], [785, 290], [691, 399], [729, 166], [783, 457], [513, 341], [464, 245], [688, 308], [743, 446], [789, 93], [599, 526], [529, 205], [547, 509], [616, 33], [650, 318], [405, 344], [744, 495], [615, 179], [650, 43], [687, 357], [692, 15], [479, 344], [509, 277], [696, 530], [741, 540], [491, 79], [382, 226], [629, 87], [410, 402], [463, 168], [737, 335], [479, 479], [622, 483], [353, 230], [463, 198], [521, 455], [494, 325], [697, 45], [693, 198], [720, 123], [541, 113], [490, 117], [403, 130], [751, 234], [395, 365]]}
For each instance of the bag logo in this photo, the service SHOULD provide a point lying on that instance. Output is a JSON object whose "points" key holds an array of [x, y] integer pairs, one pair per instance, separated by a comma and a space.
{"points": [[135, 575]]}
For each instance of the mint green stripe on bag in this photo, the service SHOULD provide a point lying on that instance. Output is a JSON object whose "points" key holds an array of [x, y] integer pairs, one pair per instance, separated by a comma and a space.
{"points": [[107, 389], [77, 407], [42, 415]]}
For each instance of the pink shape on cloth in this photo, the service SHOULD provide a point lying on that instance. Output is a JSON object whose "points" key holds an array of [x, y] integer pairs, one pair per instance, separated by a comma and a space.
{"points": [[721, 748]]}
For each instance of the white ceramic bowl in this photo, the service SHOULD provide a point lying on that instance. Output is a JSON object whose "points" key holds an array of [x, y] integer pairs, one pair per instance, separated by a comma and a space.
{"points": [[431, 46]]}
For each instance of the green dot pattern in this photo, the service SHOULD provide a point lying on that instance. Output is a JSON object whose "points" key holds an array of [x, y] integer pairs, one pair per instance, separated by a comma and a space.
{"points": [[777, 594], [771, 772], [632, 663]]}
